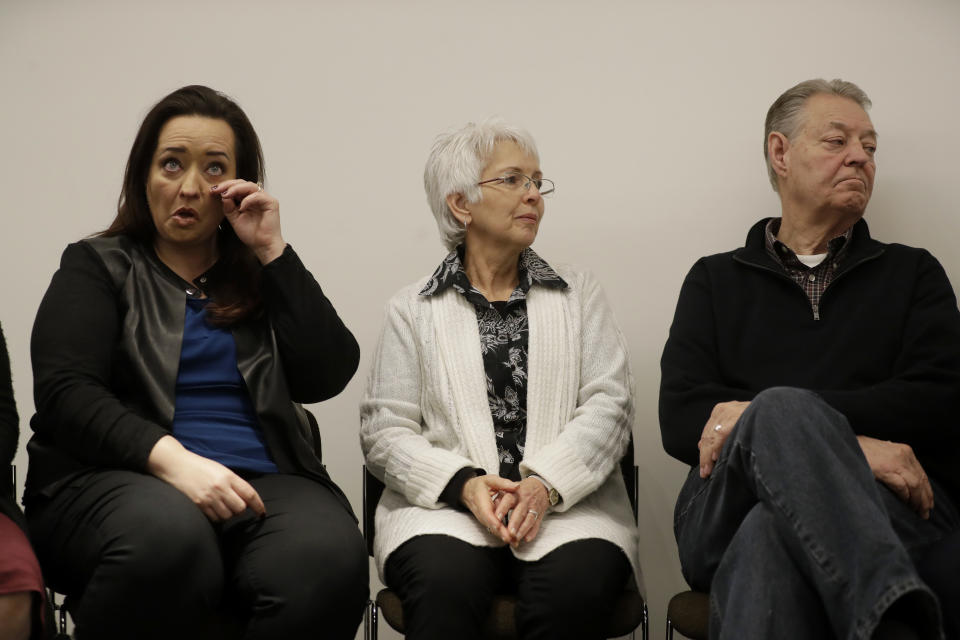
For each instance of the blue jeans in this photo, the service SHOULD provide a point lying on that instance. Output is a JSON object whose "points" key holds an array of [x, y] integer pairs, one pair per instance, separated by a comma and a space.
{"points": [[794, 538]]}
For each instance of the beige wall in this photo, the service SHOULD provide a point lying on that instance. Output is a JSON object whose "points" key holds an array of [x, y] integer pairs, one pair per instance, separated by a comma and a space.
{"points": [[648, 116]]}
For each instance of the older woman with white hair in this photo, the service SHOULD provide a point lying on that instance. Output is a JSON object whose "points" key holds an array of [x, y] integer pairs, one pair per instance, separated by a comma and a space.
{"points": [[498, 406]]}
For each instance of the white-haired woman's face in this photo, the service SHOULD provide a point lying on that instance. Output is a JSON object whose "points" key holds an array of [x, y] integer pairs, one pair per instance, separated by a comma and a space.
{"points": [[509, 212]]}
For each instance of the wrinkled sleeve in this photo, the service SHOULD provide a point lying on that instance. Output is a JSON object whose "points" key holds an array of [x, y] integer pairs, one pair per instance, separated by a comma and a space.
{"points": [[72, 346], [391, 421], [591, 444], [691, 383], [319, 354]]}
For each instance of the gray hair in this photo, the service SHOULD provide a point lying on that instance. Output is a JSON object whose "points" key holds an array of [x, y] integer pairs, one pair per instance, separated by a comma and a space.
{"points": [[785, 114], [455, 164]]}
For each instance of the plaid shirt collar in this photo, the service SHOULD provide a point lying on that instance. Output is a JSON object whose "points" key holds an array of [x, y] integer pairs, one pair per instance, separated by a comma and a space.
{"points": [[786, 257], [532, 270]]}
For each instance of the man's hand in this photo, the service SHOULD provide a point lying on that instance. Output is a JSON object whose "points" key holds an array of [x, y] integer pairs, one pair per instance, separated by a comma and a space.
{"points": [[895, 465], [722, 420]]}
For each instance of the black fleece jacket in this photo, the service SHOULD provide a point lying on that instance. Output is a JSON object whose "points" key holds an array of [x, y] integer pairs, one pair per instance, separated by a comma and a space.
{"points": [[885, 351]]}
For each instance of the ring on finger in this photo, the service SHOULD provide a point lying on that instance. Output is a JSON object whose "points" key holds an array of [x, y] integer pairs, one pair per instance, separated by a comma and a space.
{"points": [[535, 514], [718, 427]]}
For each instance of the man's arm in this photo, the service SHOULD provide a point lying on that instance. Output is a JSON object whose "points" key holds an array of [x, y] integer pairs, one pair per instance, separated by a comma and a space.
{"points": [[691, 384], [920, 403]]}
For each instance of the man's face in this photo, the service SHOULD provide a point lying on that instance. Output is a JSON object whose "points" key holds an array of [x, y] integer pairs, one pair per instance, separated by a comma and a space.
{"points": [[830, 161]]}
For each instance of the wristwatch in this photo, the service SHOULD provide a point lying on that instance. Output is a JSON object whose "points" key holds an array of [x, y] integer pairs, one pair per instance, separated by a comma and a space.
{"points": [[552, 493]]}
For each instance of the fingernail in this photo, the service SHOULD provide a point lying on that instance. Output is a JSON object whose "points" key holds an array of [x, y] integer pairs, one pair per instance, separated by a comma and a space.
{"points": [[513, 531], [713, 456], [703, 471]]}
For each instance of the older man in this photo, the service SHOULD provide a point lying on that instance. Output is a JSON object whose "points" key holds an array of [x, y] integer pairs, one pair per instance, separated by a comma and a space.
{"points": [[812, 380]]}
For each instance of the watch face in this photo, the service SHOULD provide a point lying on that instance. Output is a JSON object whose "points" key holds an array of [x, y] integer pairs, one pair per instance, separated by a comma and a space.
{"points": [[554, 497]]}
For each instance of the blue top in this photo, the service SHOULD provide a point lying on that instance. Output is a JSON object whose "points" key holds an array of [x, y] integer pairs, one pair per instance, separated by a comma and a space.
{"points": [[214, 417]]}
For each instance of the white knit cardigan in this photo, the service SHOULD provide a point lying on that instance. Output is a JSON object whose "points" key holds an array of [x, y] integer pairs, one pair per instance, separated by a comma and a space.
{"points": [[425, 416]]}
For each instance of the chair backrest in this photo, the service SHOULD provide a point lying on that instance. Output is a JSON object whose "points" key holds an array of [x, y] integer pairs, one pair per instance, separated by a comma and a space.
{"points": [[373, 489], [629, 471]]}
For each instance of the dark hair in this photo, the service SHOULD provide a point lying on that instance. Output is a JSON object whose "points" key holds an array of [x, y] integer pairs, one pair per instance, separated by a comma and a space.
{"points": [[240, 297]]}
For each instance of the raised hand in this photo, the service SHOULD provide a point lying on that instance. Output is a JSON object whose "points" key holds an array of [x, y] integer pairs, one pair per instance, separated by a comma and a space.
{"points": [[254, 215]]}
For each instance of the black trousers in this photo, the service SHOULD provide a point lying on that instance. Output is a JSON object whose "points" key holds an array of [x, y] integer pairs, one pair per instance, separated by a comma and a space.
{"points": [[144, 562], [447, 585]]}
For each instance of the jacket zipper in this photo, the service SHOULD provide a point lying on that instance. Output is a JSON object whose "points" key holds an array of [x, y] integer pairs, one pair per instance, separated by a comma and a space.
{"points": [[814, 308]]}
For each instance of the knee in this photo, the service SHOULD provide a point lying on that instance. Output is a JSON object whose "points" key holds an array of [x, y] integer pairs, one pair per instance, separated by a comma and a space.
{"points": [[582, 581], [16, 615], [790, 415], [339, 570], [314, 578], [158, 553], [441, 571], [779, 403], [433, 582]]}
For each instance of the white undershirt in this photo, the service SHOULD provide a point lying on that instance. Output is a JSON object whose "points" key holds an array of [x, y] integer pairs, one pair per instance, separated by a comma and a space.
{"points": [[812, 260]]}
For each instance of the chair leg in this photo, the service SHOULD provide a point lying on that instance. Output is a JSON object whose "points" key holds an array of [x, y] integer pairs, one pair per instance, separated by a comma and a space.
{"points": [[669, 628], [645, 625], [366, 622], [370, 620], [60, 612]]}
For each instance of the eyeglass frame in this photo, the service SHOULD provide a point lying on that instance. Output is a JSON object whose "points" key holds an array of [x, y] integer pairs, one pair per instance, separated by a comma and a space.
{"points": [[526, 186]]}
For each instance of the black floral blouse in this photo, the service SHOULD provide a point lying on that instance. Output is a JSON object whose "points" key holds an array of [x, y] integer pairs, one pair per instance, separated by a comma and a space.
{"points": [[504, 336]]}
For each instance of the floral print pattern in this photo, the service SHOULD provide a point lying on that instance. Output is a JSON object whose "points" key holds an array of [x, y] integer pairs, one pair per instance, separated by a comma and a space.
{"points": [[504, 337]]}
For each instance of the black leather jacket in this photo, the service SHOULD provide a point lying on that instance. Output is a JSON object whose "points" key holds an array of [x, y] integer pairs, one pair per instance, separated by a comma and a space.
{"points": [[106, 351]]}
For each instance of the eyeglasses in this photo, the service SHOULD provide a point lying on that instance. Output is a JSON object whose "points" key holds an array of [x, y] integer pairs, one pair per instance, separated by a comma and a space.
{"points": [[516, 181]]}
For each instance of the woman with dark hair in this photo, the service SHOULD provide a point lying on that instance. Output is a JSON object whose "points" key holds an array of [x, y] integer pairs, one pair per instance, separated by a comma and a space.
{"points": [[175, 480]]}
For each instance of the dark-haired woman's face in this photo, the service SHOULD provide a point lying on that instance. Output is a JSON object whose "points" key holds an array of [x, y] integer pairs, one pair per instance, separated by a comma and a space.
{"points": [[193, 153]]}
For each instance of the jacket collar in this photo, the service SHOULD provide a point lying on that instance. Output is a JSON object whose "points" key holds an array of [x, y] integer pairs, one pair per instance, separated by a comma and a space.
{"points": [[860, 247], [204, 284]]}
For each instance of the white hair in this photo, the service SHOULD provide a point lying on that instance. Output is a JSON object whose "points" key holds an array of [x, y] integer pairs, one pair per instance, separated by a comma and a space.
{"points": [[456, 163], [784, 115]]}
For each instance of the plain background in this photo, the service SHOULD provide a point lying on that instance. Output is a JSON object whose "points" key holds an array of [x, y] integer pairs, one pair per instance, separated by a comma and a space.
{"points": [[648, 116]]}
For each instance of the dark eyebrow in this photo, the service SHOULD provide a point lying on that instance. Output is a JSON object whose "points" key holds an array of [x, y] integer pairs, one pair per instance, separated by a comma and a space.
{"points": [[845, 128], [184, 150]]}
